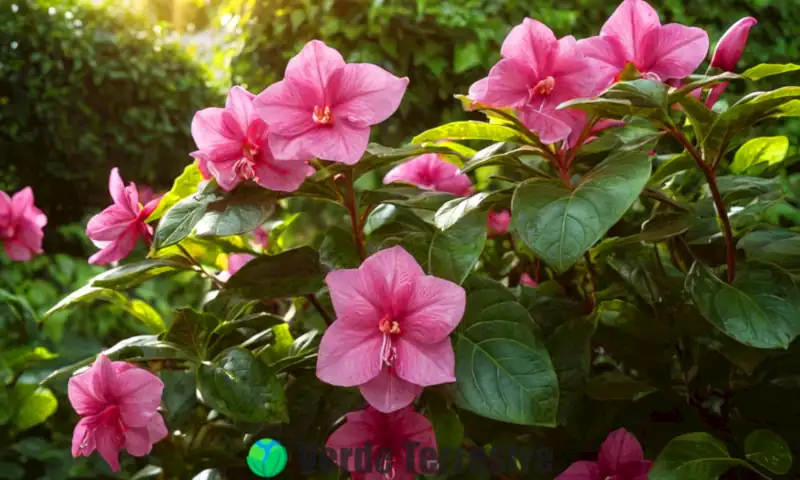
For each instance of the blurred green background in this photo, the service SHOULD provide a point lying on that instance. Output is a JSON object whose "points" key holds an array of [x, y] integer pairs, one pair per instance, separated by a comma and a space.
{"points": [[89, 85]]}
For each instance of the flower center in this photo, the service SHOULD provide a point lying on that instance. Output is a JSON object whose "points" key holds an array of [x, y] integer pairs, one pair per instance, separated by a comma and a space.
{"points": [[322, 115], [388, 328], [544, 87], [244, 169]]}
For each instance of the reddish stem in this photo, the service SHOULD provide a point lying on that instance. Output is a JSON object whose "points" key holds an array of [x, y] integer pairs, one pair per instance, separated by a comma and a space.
{"points": [[352, 207]]}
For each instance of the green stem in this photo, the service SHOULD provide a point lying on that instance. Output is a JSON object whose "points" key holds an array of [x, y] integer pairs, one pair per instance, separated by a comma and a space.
{"points": [[352, 208], [200, 267]]}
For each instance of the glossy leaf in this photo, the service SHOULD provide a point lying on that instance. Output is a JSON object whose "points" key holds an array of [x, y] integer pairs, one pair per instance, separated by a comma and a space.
{"points": [[768, 69], [769, 450], [559, 224], [33, 406], [455, 252], [291, 273], [133, 274], [241, 211], [467, 130], [698, 456], [178, 222], [191, 329], [759, 153], [184, 186]]}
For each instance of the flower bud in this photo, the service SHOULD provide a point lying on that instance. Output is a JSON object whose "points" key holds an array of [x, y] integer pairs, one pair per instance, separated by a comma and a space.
{"points": [[731, 45]]}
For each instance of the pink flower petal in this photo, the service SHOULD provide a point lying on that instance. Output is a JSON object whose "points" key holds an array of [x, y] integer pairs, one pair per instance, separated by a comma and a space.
{"points": [[5, 208], [425, 364], [619, 449], [674, 51], [392, 274], [214, 137], [109, 224], [508, 84], [388, 393], [549, 125], [581, 470], [355, 299], [139, 393], [283, 176], [315, 64], [477, 91], [288, 109], [349, 356], [630, 23], [108, 440], [157, 429], [17, 251], [21, 202], [607, 58], [117, 249], [339, 142], [433, 310], [82, 440], [238, 260], [730, 47], [415, 427], [137, 441], [240, 104], [499, 222], [524, 43], [355, 433], [365, 94], [715, 93]]}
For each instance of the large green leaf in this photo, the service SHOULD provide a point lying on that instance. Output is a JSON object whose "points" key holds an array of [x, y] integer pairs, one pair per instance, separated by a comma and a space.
{"points": [[191, 329], [634, 97], [338, 248], [133, 274], [571, 351], [33, 405], [185, 185], [503, 369], [467, 130], [291, 273], [242, 388], [768, 449], [777, 246], [455, 252], [695, 456], [179, 221], [241, 211], [761, 308], [451, 212], [768, 69], [559, 224], [759, 153]]}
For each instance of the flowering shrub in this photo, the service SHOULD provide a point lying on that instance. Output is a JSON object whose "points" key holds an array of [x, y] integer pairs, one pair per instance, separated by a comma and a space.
{"points": [[628, 266]]}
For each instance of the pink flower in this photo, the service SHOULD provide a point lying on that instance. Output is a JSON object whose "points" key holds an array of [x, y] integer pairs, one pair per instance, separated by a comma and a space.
{"points": [[147, 194], [537, 73], [731, 45], [526, 279], [262, 237], [634, 34], [384, 435], [235, 262], [202, 165], [324, 107], [499, 222], [431, 172], [391, 334], [116, 229], [21, 225], [576, 120], [118, 405], [233, 147], [620, 457]]}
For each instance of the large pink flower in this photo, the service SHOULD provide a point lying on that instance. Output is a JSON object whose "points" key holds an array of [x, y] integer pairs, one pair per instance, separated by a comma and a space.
{"points": [[118, 403], [431, 172], [233, 147], [324, 107], [116, 229], [384, 436], [634, 34], [537, 73], [21, 225], [391, 334], [620, 458]]}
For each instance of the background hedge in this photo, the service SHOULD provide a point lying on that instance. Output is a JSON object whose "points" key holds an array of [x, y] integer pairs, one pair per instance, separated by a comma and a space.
{"points": [[85, 88]]}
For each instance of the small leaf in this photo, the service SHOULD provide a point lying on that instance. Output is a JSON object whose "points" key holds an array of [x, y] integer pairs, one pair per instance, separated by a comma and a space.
{"points": [[616, 386], [696, 456], [761, 308], [191, 329], [676, 164], [241, 211], [242, 388], [559, 224], [338, 249], [759, 151], [85, 294], [147, 315], [451, 212], [178, 222], [571, 352], [467, 56], [768, 449], [467, 130], [184, 186], [768, 69], [455, 252], [133, 274], [777, 246], [34, 407], [503, 370], [291, 273]]}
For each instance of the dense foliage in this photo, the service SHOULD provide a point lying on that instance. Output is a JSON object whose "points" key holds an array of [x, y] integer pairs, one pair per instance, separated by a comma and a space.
{"points": [[446, 45], [589, 255], [86, 87]]}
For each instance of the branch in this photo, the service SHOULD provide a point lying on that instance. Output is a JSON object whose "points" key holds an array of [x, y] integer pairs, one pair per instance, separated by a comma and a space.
{"points": [[314, 301], [200, 267], [352, 207]]}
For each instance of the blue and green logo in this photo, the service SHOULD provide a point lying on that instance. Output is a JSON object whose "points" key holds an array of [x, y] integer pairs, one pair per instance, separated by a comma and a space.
{"points": [[267, 458]]}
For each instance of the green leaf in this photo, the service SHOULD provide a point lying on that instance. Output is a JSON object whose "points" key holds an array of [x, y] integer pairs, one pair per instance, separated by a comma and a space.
{"points": [[467, 56], [757, 151], [760, 308], [179, 395], [85, 294], [777, 246], [635, 97], [700, 116], [178, 222], [451, 212], [446, 426], [503, 369], [571, 352], [241, 211], [467, 130], [704, 81], [768, 449], [455, 252], [768, 69], [695, 456], [184, 186], [559, 224], [19, 358], [191, 329], [133, 274], [676, 164], [291, 273], [338, 249], [34, 406], [616, 386], [147, 315], [242, 388]]}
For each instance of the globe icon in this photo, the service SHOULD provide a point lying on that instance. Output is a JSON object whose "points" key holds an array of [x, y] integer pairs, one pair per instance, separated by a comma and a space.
{"points": [[267, 458]]}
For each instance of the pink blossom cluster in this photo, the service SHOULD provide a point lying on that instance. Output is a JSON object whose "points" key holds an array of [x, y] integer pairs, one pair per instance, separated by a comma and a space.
{"points": [[21, 225]]}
